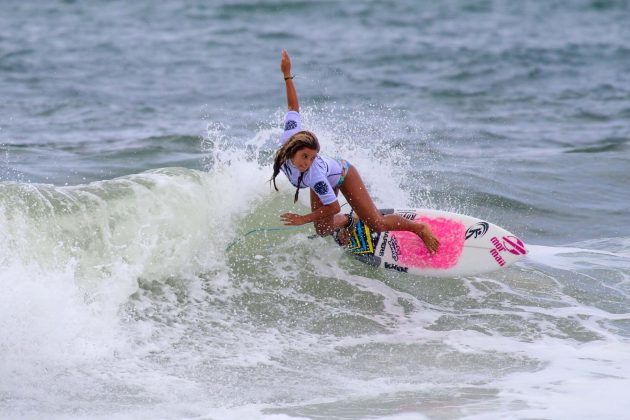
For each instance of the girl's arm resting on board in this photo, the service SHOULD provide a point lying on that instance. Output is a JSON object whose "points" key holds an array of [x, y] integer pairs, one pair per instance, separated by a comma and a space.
{"points": [[292, 99], [292, 219]]}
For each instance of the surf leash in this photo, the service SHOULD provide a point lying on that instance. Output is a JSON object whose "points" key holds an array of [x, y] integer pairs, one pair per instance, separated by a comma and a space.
{"points": [[261, 230], [270, 229]]}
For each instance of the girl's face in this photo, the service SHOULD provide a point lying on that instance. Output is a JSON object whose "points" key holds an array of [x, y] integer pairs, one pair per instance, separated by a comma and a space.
{"points": [[303, 158]]}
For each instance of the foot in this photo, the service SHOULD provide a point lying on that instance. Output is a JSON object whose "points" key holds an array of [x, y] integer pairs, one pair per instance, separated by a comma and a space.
{"points": [[430, 241]]}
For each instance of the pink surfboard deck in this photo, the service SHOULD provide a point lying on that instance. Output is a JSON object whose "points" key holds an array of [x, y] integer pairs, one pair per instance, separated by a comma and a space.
{"points": [[468, 246]]}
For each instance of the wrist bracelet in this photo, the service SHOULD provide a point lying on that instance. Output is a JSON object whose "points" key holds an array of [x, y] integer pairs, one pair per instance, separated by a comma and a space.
{"points": [[351, 222], [290, 77]]}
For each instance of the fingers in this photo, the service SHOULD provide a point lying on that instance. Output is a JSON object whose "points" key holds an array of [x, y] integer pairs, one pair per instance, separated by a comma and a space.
{"points": [[285, 58], [290, 219], [431, 242], [432, 245], [285, 63]]}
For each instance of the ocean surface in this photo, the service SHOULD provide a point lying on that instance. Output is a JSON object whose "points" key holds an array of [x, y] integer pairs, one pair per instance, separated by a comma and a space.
{"points": [[136, 141]]}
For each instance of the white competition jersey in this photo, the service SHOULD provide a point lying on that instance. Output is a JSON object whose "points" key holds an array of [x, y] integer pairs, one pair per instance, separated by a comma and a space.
{"points": [[323, 175]]}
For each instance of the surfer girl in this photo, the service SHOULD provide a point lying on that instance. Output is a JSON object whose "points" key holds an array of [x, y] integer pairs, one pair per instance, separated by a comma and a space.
{"points": [[298, 157]]}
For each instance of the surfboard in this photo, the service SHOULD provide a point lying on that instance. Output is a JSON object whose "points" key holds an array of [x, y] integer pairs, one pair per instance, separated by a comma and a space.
{"points": [[468, 246]]}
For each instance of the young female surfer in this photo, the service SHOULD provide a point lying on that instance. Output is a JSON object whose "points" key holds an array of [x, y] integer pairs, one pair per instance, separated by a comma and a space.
{"points": [[298, 157]]}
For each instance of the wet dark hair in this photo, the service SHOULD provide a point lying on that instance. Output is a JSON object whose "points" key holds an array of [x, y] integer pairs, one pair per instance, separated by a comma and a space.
{"points": [[298, 141]]}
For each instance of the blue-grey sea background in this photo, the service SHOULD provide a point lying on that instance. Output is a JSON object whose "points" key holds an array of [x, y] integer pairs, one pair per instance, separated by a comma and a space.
{"points": [[136, 141]]}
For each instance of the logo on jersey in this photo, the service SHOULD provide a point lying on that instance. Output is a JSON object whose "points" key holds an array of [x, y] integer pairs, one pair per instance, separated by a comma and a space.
{"points": [[290, 125], [320, 188]]}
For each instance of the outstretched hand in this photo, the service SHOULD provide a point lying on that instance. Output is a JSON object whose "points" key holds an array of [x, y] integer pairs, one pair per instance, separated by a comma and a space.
{"points": [[292, 219], [285, 64]]}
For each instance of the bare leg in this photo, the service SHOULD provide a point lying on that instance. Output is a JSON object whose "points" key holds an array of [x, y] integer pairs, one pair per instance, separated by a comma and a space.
{"points": [[358, 197]]}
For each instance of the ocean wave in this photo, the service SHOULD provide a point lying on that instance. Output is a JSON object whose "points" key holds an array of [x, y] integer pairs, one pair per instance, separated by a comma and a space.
{"points": [[157, 222], [617, 144]]}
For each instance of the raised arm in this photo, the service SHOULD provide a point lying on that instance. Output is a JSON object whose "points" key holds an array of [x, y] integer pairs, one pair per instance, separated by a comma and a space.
{"points": [[285, 66]]}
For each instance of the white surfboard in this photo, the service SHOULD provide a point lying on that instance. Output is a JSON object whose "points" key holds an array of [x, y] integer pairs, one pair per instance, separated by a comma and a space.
{"points": [[468, 246]]}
